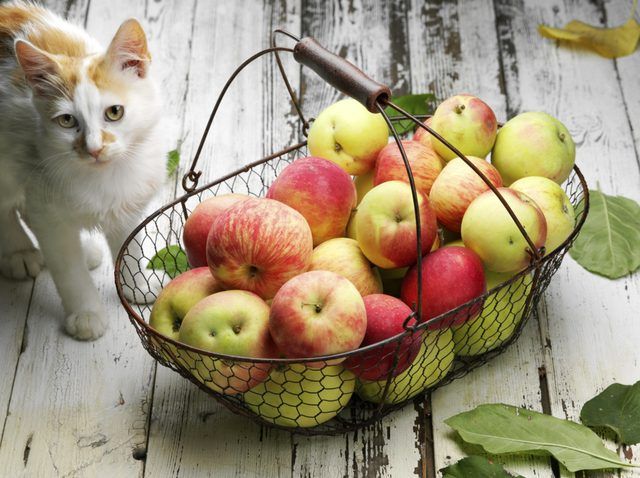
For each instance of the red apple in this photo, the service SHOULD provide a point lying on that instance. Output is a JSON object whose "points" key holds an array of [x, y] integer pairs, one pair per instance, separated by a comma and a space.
{"points": [[196, 228], [385, 317], [319, 190], [258, 245], [422, 135], [457, 186], [425, 165], [451, 276], [317, 313]]}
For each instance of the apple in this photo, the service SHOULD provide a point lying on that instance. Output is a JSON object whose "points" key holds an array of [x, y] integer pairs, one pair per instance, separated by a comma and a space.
{"points": [[392, 280], [349, 135], [451, 277], [317, 313], [344, 257], [424, 162], [363, 184], [386, 225], [534, 144], [422, 135], [198, 224], [231, 322], [385, 318], [351, 227], [554, 204], [319, 190], [431, 365], [458, 185], [301, 396], [466, 122], [489, 230], [501, 314], [258, 245]]}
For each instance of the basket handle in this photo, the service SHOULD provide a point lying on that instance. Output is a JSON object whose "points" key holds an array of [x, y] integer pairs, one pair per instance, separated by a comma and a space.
{"points": [[341, 74]]}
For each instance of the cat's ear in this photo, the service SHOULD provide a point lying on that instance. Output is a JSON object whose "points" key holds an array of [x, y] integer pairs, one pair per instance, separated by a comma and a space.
{"points": [[39, 68], [128, 49]]}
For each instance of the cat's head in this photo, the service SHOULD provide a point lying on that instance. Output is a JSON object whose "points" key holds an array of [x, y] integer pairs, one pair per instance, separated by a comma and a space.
{"points": [[96, 108]]}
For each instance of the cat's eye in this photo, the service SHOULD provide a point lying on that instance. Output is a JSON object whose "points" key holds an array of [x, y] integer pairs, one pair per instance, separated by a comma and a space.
{"points": [[66, 121], [114, 113]]}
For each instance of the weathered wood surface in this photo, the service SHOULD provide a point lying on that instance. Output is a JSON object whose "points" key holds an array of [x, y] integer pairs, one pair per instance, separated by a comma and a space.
{"points": [[76, 409]]}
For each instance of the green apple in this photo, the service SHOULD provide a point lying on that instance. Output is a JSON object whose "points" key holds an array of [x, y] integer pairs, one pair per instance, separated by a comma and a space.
{"points": [[344, 257], [502, 312], [300, 396], [555, 206], [364, 184], [349, 135], [231, 322], [489, 231], [431, 365], [533, 144]]}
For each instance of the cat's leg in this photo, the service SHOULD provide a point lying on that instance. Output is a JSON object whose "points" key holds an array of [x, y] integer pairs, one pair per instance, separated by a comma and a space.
{"points": [[19, 258], [62, 250], [93, 252]]}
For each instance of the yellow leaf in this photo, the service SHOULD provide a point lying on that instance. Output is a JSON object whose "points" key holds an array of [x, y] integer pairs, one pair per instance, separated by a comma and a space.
{"points": [[608, 42]]}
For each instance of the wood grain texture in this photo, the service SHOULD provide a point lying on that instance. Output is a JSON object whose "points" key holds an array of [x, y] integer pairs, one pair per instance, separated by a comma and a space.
{"points": [[588, 323]]}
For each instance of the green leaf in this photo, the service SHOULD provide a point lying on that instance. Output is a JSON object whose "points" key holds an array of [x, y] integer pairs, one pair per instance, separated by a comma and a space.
{"points": [[500, 428], [609, 243], [476, 467], [618, 408], [172, 260], [414, 104], [173, 160]]}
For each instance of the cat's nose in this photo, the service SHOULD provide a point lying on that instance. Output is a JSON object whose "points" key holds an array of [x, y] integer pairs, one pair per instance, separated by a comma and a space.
{"points": [[95, 153]]}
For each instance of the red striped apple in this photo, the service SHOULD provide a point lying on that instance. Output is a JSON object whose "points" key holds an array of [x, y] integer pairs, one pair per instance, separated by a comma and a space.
{"points": [[196, 228], [386, 227], [231, 322], [489, 230], [451, 276], [344, 257], [422, 135], [458, 185], [385, 317], [319, 190], [317, 313], [258, 245], [534, 144], [466, 122], [349, 135], [424, 162]]}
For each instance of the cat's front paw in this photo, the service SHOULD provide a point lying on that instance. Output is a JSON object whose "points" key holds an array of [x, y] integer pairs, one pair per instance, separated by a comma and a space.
{"points": [[20, 265], [143, 289], [86, 324]]}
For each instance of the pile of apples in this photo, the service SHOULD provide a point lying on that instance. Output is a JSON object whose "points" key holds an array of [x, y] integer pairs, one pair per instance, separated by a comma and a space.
{"points": [[326, 262]]}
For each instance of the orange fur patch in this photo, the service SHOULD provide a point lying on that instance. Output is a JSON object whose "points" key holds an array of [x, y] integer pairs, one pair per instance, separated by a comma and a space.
{"points": [[107, 138]]}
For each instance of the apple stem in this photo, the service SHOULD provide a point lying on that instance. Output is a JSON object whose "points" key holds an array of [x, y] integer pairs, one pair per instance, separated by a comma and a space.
{"points": [[459, 109], [318, 307]]}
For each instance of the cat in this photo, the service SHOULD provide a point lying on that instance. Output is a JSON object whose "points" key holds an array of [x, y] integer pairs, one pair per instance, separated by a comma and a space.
{"points": [[80, 149]]}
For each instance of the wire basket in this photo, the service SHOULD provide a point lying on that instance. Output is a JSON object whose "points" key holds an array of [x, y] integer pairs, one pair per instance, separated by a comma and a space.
{"points": [[342, 392]]}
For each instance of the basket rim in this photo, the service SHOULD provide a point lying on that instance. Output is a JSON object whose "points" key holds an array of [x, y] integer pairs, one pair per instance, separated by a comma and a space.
{"points": [[416, 329]]}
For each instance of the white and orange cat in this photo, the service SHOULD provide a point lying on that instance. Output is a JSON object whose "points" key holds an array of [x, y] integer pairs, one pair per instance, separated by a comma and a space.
{"points": [[80, 149]]}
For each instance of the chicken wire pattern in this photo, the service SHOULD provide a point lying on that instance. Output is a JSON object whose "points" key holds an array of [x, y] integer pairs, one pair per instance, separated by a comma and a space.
{"points": [[338, 393]]}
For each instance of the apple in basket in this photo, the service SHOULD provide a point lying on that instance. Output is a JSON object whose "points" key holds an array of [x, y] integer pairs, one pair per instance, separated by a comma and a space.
{"points": [[258, 245], [489, 230], [176, 300], [344, 257], [385, 318], [451, 276], [431, 365], [533, 144], [424, 162], [319, 190], [198, 224], [385, 225], [363, 184], [466, 122], [349, 135], [231, 322], [300, 396], [317, 313], [457, 186]]}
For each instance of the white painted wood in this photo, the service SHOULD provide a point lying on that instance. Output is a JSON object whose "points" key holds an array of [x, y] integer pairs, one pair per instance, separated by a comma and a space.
{"points": [[454, 50], [588, 323]]}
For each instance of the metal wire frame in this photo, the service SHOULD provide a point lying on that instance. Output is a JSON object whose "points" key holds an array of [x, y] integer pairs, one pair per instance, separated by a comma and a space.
{"points": [[254, 178]]}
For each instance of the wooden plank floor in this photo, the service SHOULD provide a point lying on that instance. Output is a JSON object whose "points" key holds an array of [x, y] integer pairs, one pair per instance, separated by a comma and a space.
{"points": [[70, 409]]}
